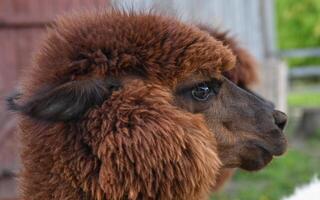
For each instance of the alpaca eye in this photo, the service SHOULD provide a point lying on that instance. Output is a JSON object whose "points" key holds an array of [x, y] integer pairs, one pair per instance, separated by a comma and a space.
{"points": [[202, 92]]}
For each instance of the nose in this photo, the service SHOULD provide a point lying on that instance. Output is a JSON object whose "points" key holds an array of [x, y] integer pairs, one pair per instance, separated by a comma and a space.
{"points": [[280, 119]]}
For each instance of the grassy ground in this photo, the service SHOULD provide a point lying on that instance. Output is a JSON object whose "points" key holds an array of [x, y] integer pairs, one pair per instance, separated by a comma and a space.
{"points": [[279, 178]]}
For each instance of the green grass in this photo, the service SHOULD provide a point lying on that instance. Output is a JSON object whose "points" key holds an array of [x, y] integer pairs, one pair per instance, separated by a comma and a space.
{"points": [[305, 99], [278, 179], [298, 23], [298, 26]]}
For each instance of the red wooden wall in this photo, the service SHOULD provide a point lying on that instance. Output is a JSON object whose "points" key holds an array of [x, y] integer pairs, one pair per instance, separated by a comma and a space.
{"points": [[22, 24]]}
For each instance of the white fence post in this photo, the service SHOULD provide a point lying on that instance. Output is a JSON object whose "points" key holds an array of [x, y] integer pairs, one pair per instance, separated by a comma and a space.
{"points": [[274, 82]]}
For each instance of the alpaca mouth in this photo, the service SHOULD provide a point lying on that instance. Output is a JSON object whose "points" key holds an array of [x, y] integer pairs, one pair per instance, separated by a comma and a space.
{"points": [[264, 153], [277, 148]]}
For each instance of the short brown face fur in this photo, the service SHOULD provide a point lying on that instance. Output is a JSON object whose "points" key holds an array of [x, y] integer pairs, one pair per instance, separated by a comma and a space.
{"points": [[247, 129], [244, 74], [113, 108]]}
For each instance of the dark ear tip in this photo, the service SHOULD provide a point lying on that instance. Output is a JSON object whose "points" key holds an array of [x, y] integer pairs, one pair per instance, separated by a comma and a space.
{"points": [[11, 102]]}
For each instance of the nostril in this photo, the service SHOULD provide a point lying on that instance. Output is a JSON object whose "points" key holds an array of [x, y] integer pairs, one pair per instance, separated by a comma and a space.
{"points": [[280, 119]]}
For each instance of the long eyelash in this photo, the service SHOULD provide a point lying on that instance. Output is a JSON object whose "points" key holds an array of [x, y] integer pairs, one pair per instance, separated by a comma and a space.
{"points": [[214, 84]]}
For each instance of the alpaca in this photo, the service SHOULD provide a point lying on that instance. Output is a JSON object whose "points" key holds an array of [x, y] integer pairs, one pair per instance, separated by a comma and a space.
{"points": [[135, 106]]}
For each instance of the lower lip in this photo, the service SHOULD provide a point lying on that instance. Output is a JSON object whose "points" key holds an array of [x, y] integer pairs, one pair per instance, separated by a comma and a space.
{"points": [[256, 164], [266, 156]]}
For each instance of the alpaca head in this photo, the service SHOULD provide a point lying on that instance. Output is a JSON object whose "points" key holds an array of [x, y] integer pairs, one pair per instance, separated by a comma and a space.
{"points": [[244, 73], [143, 100]]}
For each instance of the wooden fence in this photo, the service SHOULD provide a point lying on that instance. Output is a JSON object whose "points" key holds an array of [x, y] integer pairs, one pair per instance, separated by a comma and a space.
{"points": [[302, 71]]}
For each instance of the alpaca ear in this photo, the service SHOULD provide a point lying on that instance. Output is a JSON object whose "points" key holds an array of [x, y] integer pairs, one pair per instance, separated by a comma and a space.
{"points": [[65, 102]]}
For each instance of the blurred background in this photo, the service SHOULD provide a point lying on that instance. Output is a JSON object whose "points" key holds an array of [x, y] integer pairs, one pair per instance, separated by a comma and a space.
{"points": [[283, 35]]}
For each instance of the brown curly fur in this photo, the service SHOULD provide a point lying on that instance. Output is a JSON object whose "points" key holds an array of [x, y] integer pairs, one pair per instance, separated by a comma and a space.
{"points": [[244, 73], [116, 151], [103, 160]]}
